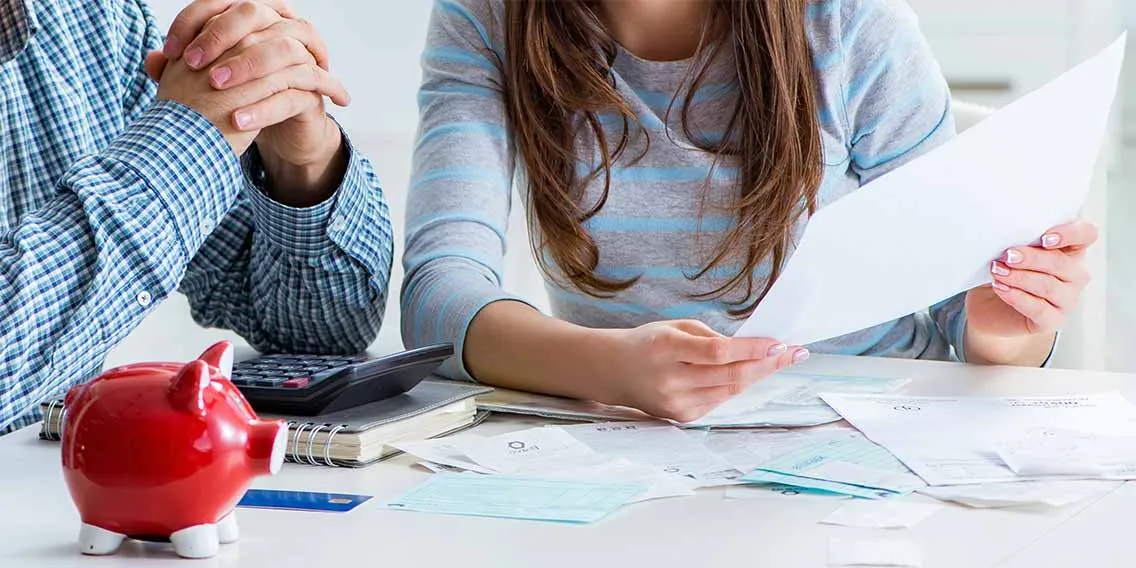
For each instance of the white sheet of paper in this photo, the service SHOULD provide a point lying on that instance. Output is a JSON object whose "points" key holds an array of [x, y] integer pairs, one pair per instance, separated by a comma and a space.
{"points": [[445, 452], [954, 440], [531, 451], [660, 485], [659, 444], [874, 552], [1059, 451], [885, 514], [850, 460], [745, 450], [1021, 493], [791, 399], [929, 230]]}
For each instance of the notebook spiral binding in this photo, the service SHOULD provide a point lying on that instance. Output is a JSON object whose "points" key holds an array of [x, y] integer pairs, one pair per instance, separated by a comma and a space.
{"points": [[55, 409], [309, 457]]}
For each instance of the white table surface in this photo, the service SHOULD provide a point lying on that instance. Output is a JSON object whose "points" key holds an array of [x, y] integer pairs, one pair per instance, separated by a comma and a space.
{"points": [[39, 524]]}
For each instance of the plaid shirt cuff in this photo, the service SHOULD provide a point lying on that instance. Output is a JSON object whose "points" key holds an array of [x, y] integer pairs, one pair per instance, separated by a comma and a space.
{"points": [[309, 231], [186, 161]]}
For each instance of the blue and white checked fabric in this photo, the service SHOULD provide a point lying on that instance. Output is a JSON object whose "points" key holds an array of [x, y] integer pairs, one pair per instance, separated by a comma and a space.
{"points": [[110, 201]]}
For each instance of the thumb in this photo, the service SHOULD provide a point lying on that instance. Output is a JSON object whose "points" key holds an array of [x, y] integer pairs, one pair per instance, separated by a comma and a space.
{"points": [[155, 65]]}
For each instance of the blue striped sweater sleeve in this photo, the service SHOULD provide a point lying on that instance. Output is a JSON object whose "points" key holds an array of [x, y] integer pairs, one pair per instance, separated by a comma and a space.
{"points": [[460, 190]]}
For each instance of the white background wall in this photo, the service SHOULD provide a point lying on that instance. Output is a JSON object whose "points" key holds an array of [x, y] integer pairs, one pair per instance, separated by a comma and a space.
{"points": [[374, 50]]}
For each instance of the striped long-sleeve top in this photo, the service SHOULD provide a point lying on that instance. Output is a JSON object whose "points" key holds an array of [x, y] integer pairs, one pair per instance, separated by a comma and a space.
{"points": [[882, 102]]}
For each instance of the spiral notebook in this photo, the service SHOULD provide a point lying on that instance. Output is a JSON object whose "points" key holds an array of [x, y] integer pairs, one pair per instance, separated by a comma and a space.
{"points": [[358, 436]]}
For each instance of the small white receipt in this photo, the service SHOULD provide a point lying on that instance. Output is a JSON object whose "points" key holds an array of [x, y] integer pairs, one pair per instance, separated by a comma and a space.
{"points": [[884, 514], [874, 552]]}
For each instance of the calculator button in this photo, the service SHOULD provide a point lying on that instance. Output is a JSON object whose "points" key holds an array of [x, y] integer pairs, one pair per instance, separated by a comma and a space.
{"points": [[268, 382], [296, 382]]}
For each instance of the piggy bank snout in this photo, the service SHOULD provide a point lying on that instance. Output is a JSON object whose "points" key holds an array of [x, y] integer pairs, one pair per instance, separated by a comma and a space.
{"points": [[268, 445]]}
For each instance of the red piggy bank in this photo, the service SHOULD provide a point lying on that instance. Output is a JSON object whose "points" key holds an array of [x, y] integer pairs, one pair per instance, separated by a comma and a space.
{"points": [[163, 452]]}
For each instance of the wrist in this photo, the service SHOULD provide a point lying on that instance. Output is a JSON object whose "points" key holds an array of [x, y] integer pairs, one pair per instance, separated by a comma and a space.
{"points": [[304, 179], [1030, 350]]}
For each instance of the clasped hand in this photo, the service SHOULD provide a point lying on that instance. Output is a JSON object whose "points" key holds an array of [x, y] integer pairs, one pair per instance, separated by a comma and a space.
{"points": [[259, 74]]}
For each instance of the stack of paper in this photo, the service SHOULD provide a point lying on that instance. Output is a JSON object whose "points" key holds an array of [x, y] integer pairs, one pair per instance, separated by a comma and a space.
{"points": [[847, 463], [971, 440], [666, 461], [789, 399]]}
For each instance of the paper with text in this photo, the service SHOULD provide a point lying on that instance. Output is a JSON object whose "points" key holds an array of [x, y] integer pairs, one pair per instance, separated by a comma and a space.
{"points": [[516, 497], [928, 230], [955, 440], [791, 399], [659, 444], [851, 460]]}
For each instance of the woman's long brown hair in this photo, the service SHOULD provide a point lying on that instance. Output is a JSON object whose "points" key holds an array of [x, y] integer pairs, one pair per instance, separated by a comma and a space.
{"points": [[559, 78]]}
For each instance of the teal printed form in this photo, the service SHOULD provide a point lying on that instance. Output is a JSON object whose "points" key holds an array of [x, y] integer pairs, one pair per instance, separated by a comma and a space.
{"points": [[512, 497], [851, 461]]}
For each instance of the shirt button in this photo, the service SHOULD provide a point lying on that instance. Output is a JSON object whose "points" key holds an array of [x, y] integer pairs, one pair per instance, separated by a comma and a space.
{"points": [[337, 225], [206, 226], [144, 298]]}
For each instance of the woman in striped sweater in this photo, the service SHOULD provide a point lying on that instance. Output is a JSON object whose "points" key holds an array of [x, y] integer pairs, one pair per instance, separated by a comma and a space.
{"points": [[668, 153]]}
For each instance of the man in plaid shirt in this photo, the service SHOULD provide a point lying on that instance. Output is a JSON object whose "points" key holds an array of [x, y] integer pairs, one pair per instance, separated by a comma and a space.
{"points": [[224, 179]]}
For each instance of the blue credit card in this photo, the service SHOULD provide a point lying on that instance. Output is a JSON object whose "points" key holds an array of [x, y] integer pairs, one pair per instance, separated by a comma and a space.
{"points": [[301, 500]]}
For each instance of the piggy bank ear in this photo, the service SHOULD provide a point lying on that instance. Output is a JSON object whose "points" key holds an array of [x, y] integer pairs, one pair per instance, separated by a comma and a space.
{"points": [[187, 393], [220, 355]]}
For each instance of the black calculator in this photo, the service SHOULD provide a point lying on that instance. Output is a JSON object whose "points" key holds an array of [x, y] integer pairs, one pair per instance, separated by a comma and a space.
{"points": [[309, 385]]}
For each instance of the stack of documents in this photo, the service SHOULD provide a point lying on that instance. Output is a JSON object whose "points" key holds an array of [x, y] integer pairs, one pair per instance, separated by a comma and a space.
{"points": [[972, 440], [841, 462]]}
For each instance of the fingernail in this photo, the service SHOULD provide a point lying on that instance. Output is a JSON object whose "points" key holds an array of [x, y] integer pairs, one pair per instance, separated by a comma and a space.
{"points": [[221, 75], [1000, 286], [777, 349], [1013, 256], [244, 119], [998, 269], [194, 56], [800, 355], [1050, 240], [172, 45]]}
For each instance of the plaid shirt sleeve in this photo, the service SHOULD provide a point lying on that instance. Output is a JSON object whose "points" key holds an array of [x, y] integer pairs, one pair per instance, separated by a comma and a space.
{"points": [[168, 205], [310, 280]]}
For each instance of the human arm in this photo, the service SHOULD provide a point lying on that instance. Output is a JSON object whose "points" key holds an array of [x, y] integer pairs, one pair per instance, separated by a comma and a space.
{"points": [[303, 261], [119, 226], [458, 207]]}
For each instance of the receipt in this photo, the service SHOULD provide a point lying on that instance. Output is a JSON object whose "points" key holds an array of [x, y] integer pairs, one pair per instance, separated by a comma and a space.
{"points": [[659, 444], [544, 449], [444, 452], [1058, 451]]}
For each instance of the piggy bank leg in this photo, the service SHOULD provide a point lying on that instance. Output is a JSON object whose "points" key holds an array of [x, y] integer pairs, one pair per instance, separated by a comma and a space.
{"points": [[96, 541], [196, 542], [227, 531]]}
